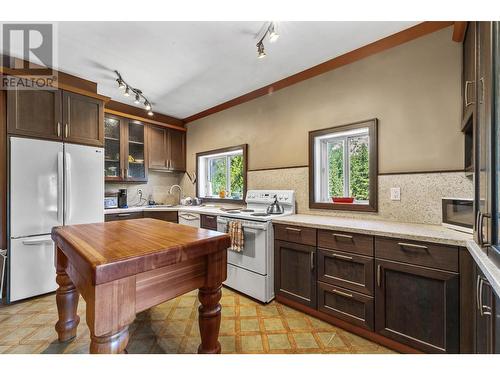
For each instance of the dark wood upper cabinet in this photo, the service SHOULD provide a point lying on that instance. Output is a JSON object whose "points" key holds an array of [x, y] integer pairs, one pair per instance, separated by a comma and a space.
{"points": [[417, 306], [83, 119], [167, 149], [35, 113], [126, 150], [57, 115], [177, 150], [295, 270], [469, 72]]}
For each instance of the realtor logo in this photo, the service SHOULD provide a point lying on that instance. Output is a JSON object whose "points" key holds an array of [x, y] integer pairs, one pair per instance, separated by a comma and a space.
{"points": [[28, 56]]}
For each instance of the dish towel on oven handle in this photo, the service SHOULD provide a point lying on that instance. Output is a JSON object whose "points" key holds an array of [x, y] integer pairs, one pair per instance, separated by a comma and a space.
{"points": [[235, 231]]}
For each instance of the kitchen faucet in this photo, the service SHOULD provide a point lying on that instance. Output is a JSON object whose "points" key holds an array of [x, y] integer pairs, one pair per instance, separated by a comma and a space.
{"points": [[180, 191]]}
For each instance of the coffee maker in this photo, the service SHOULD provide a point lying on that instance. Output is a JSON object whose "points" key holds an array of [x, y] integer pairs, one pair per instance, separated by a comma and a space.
{"points": [[122, 198]]}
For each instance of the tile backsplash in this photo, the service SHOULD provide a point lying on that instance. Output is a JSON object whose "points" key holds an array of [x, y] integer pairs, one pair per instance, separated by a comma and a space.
{"points": [[420, 202], [158, 186]]}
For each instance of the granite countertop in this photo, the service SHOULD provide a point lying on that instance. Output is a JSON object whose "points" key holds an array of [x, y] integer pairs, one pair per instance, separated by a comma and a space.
{"points": [[206, 210], [409, 231]]}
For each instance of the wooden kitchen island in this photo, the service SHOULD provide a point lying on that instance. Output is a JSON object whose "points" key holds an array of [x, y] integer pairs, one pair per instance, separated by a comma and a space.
{"points": [[124, 267]]}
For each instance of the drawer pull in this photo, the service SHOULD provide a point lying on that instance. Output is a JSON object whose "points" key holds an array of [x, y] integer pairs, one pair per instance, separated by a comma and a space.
{"points": [[340, 293], [312, 261], [341, 256], [210, 217], [293, 230], [412, 246], [123, 215], [346, 236]]}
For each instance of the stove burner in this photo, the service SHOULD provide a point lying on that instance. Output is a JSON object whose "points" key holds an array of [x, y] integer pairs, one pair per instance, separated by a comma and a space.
{"points": [[247, 210], [263, 214]]}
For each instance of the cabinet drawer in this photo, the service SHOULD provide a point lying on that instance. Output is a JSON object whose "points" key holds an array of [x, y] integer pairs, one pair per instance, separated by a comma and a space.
{"points": [[418, 253], [355, 308], [350, 242], [208, 222], [170, 216], [123, 216], [292, 233], [346, 270]]}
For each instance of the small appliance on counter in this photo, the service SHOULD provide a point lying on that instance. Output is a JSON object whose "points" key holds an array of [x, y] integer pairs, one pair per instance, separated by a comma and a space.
{"points": [[122, 198], [110, 200], [458, 214]]}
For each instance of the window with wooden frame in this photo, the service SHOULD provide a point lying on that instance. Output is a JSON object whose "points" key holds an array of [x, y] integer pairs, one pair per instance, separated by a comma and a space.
{"points": [[222, 174], [343, 167]]}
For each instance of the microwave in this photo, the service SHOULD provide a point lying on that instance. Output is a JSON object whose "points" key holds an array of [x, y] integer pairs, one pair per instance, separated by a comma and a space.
{"points": [[458, 214]]}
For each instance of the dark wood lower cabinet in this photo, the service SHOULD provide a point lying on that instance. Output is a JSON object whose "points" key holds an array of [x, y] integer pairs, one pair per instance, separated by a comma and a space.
{"points": [[170, 216], [295, 272], [123, 216], [417, 306], [346, 270], [208, 222], [356, 308]]}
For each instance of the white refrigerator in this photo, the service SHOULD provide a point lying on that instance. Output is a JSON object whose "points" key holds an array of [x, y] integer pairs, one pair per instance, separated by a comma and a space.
{"points": [[50, 184]]}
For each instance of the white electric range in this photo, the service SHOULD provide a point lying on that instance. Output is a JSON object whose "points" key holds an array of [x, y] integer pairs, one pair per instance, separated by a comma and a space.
{"points": [[251, 271]]}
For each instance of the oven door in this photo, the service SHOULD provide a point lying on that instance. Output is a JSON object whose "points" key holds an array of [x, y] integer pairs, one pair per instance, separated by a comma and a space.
{"points": [[254, 255]]}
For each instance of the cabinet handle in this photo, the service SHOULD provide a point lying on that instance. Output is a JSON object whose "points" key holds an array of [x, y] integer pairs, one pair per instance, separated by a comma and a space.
{"points": [[478, 299], [481, 306], [481, 98], [412, 246], [466, 93], [209, 217], [293, 230], [123, 215], [126, 173], [340, 293], [379, 274], [341, 256], [66, 130], [312, 261], [346, 236], [58, 129]]}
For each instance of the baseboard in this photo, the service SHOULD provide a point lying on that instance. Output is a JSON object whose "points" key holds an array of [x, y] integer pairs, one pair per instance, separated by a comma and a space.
{"points": [[372, 336]]}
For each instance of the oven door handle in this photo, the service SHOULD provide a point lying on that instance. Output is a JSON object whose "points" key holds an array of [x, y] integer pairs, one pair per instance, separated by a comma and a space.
{"points": [[245, 224]]}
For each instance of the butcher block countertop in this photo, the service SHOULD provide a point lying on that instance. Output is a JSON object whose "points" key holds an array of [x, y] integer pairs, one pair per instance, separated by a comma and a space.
{"points": [[118, 249], [409, 231]]}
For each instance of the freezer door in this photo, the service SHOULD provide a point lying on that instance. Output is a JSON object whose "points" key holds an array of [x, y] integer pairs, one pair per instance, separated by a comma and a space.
{"points": [[36, 183], [84, 184], [32, 270]]}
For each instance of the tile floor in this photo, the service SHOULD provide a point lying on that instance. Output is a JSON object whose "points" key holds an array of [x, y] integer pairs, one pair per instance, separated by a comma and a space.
{"points": [[172, 327]]}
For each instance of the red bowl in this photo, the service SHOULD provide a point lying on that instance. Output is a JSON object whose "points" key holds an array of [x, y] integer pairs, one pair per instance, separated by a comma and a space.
{"points": [[343, 199]]}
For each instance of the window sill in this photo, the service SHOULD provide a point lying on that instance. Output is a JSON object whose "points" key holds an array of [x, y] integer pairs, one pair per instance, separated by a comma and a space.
{"points": [[222, 200], [343, 207]]}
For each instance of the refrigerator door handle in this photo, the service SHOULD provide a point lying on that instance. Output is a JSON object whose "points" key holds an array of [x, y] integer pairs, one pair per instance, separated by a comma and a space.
{"points": [[60, 186], [67, 190], [37, 242]]}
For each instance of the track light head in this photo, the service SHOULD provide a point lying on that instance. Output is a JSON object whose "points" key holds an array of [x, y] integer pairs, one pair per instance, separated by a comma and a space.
{"points": [[273, 33], [150, 113], [127, 92], [137, 99], [260, 50], [121, 85], [147, 105]]}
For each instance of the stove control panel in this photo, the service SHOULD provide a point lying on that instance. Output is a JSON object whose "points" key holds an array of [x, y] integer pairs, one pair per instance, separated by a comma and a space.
{"points": [[267, 196]]}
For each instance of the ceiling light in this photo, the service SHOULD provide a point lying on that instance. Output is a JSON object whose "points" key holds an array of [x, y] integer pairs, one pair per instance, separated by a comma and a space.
{"points": [[147, 105], [127, 92], [273, 34], [260, 50], [150, 113], [137, 99], [137, 94]]}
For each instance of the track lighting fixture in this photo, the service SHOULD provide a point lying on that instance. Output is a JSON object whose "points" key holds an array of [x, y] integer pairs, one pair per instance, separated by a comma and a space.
{"points": [[273, 37], [260, 50], [138, 95]]}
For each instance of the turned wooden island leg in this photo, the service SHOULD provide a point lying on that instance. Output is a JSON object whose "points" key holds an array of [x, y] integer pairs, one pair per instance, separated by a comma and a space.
{"points": [[67, 301], [209, 312]]}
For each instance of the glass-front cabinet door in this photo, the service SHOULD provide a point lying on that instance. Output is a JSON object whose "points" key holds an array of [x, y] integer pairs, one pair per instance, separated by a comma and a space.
{"points": [[113, 166], [125, 150], [135, 169]]}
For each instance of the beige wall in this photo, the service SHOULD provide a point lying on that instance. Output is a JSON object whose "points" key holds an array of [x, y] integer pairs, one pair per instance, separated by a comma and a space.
{"points": [[413, 89]]}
